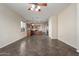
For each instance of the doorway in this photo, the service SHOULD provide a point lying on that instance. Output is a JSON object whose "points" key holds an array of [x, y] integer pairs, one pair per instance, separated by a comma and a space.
{"points": [[36, 29]]}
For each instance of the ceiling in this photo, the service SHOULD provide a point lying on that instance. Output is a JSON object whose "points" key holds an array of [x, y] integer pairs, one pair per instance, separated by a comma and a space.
{"points": [[37, 17]]}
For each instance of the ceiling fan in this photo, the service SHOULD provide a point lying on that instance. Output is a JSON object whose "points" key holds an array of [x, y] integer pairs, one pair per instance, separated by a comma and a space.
{"points": [[36, 6], [40, 4]]}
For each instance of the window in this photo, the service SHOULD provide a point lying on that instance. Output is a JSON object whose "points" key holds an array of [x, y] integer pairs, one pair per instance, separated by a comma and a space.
{"points": [[23, 26]]}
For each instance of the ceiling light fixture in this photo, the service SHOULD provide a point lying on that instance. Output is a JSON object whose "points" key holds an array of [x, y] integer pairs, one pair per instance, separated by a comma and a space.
{"points": [[37, 6]]}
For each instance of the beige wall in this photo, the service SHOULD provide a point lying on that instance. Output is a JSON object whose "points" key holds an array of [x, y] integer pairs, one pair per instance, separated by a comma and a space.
{"points": [[67, 25], [10, 30]]}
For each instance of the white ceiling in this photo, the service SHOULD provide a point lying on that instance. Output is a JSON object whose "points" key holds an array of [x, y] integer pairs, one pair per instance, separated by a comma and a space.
{"points": [[46, 12]]}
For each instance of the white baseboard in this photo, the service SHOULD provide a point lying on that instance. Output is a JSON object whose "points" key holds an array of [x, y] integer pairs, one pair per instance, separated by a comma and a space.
{"points": [[12, 42], [78, 51]]}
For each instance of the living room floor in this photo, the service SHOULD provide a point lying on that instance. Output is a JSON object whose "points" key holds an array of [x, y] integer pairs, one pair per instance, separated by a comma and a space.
{"points": [[40, 45]]}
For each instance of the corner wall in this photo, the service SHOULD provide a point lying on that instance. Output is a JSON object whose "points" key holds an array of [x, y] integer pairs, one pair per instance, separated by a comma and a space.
{"points": [[53, 27], [10, 29], [77, 26]]}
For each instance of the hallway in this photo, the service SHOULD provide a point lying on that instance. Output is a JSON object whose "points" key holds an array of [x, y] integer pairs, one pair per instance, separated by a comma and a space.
{"points": [[38, 46], [21, 29]]}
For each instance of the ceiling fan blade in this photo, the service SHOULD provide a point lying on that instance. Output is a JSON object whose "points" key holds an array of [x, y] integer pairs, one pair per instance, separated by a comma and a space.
{"points": [[40, 4]]}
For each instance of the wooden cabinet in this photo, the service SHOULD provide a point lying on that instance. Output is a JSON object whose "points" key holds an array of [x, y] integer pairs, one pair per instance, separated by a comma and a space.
{"points": [[28, 33]]}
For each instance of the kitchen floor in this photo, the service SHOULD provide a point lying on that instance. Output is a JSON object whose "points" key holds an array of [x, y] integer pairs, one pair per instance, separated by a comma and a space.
{"points": [[40, 45]]}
